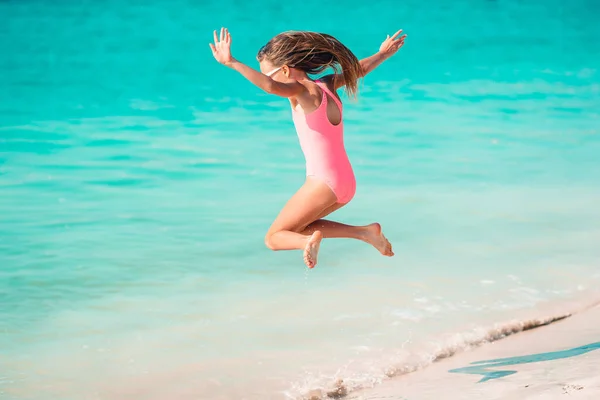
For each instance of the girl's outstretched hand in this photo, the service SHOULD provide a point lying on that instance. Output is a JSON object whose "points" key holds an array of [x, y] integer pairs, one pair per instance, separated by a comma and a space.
{"points": [[221, 49], [392, 44]]}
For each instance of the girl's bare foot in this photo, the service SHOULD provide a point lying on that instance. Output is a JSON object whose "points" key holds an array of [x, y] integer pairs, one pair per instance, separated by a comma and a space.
{"points": [[375, 238], [311, 250]]}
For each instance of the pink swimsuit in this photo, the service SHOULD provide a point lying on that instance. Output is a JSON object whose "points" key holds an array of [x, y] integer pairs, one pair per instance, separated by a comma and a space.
{"points": [[323, 146]]}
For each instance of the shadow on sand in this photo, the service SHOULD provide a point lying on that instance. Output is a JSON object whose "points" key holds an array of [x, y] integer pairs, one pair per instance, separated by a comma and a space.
{"points": [[483, 367]]}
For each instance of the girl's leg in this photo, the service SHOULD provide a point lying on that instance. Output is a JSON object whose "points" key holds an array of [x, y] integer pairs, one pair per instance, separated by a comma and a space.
{"points": [[301, 212], [331, 229], [299, 224], [370, 234], [303, 208]]}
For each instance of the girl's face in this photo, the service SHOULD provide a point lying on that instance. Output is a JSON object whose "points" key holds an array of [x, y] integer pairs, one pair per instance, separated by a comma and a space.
{"points": [[278, 74]]}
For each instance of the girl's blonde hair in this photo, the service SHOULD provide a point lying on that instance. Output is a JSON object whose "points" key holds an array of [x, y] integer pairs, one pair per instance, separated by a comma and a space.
{"points": [[312, 53]]}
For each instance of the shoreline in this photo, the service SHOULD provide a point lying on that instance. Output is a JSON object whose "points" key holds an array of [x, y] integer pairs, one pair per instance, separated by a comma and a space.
{"points": [[468, 342], [549, 360]]}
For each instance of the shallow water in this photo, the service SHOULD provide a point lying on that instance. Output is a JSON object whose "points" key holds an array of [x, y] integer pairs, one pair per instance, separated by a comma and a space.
{"points": [[137, 179]]}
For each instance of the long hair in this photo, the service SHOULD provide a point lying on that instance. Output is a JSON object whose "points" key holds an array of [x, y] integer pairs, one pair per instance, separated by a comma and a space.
{"points": [[312, 53]]}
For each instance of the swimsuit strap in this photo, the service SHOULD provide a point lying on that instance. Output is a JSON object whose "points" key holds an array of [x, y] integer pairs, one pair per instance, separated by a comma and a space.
{"points": [[325, 89]]}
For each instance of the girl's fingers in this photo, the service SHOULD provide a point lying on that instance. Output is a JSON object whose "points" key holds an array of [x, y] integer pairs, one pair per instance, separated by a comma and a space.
{"points": [[399, 43], [396, 34], [215, 37], [222, 34]]}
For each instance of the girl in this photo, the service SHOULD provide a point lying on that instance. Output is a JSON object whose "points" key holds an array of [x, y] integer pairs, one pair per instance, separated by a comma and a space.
{"points": [[286, 62]]}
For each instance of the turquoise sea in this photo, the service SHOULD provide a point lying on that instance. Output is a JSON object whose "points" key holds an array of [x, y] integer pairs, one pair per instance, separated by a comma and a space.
{"points": [[138, 177]]}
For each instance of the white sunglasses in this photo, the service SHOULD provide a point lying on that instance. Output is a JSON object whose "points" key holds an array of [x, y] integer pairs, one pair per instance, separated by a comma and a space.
{"points": [[269, 74]]}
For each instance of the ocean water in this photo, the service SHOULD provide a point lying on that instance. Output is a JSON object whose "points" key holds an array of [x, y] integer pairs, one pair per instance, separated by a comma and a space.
{"points": [[138, 177]]}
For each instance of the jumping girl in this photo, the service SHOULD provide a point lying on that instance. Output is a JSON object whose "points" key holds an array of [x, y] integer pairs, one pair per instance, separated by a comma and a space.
{"points": [[285, 64]]}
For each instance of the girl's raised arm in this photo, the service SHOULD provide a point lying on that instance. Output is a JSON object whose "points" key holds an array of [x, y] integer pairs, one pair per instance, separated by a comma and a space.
{"points": [[388, 48], [221, 50]]}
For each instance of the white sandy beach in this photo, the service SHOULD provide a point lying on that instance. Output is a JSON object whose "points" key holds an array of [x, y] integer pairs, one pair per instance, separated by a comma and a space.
{"points": [[561, 360]]}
